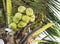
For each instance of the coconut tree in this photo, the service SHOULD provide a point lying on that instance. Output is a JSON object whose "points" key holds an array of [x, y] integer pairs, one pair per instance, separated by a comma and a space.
{"points": [[44, 30]]}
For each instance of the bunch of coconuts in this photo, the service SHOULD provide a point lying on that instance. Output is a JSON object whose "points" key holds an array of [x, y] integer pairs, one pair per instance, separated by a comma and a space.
{"points": [[21, 18]]}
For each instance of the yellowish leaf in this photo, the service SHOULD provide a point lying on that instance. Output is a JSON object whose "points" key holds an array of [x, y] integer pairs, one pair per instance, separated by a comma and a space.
{"points": [[39, 41], [42, 29]]}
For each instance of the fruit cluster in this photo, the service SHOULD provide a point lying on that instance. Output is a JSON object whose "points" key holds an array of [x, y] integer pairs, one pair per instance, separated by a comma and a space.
{"points": [[21, 18]]}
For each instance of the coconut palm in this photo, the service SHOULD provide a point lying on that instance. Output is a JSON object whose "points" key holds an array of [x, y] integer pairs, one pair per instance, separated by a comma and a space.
{"points": [[46, 28]]}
